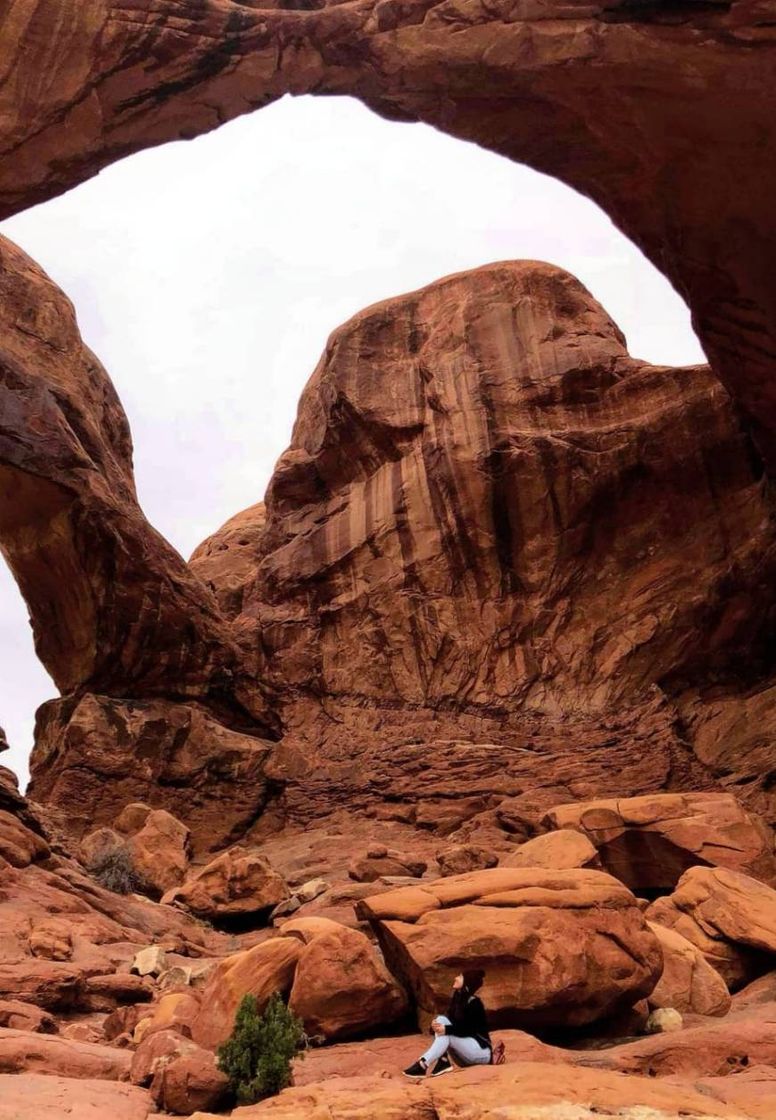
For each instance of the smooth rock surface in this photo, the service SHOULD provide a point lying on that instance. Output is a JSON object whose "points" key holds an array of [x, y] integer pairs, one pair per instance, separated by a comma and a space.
{"points": [[52, 1098], [688, 982], [342, 988], [524, 1088], [555, 851], [729, 917], [518, 925], [261, 971]]}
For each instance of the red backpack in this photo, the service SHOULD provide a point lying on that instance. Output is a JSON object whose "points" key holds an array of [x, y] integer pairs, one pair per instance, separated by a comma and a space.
{"points": [[498, 1054]]}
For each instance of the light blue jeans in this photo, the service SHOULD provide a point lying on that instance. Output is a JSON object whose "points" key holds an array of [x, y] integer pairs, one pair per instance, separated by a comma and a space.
{"points": [[466, 1051]]}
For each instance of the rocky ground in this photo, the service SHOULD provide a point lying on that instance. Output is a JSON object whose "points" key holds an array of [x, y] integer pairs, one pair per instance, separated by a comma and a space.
{"points": [[630, 943]]}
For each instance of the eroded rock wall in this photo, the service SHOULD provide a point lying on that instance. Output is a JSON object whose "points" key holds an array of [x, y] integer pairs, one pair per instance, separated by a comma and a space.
{"points": [[114, 608], [487, 502], [502, 553]]}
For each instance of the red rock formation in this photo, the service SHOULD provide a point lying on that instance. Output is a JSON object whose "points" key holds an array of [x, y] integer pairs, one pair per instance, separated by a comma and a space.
{"points": [[95, 754], [729, 917], [649, 842], [518, 924], [527, 518], [526, 535], [113, 607], [645, 107]]}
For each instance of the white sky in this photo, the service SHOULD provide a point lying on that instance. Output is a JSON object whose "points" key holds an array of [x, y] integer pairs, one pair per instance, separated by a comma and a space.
{"points": [[207, 276]]}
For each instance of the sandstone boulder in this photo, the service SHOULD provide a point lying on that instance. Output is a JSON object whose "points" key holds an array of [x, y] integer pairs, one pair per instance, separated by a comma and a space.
{"points": [[381, 862], [159, 850], [729, 917], [688, 982], [238, 883], [663, 1020], [560, 948], [342, 988], [51, 940], [649, 842], [99, 845], [261, 971], [461, 858], [26, 1017], [18, 844], [174, 1011], [310, 890], [555, 851], [132, 818], [181, 1076], [151, 961]]}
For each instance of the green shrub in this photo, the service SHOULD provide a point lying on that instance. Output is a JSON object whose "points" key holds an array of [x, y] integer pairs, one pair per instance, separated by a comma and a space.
{"points": [[257, 1057]]}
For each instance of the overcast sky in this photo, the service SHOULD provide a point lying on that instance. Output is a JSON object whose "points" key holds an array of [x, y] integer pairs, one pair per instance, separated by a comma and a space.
{"points": [[207, 276]]}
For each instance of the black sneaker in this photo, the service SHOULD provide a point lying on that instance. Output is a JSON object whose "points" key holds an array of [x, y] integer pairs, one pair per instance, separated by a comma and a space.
{"points": [[443, 1065], [417, 1069]]}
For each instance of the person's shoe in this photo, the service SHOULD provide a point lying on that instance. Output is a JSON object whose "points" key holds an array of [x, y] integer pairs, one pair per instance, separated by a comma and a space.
{"points": [[417, 1069], [443, 1065]]}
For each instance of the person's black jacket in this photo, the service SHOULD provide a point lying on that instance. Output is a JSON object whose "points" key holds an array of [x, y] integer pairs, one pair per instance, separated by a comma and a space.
{"points": [[468, 1018]]}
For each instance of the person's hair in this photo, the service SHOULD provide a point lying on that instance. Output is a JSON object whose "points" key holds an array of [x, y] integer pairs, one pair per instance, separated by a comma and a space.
{"points": [[473, 979]]}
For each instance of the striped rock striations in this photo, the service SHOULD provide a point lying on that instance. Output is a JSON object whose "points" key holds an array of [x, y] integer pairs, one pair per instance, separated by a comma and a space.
{"points": [[493, 525]]}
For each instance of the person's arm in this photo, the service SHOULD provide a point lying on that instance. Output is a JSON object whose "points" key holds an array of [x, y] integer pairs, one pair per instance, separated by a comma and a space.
{"points": [[469, 1021]]}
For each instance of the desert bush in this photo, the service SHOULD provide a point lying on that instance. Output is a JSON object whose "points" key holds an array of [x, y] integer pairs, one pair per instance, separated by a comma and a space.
{"points": [[257, 1057], [115, 872]]}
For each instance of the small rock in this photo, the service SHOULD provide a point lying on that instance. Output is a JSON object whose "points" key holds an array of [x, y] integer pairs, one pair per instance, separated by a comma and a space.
{"points": [[175, 977], [132, 818], [286, 908], [51, 941], [151, 961], [370, 868], [376, 851], [464, 857], [311, 889], [80, 1032], [663, 1020]]}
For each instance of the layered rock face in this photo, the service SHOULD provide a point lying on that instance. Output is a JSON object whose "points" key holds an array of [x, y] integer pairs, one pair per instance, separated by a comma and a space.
{"points": [[95, 754], [494, 526], [488, 503]]}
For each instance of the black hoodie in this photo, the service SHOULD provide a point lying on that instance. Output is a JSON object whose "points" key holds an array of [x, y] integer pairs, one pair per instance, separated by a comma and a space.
{"points": [[467, 1015]]}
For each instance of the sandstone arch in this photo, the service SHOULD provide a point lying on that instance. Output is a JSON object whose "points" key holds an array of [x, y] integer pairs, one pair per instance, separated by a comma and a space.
{"points": [[659, 112], [114, 608]]}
